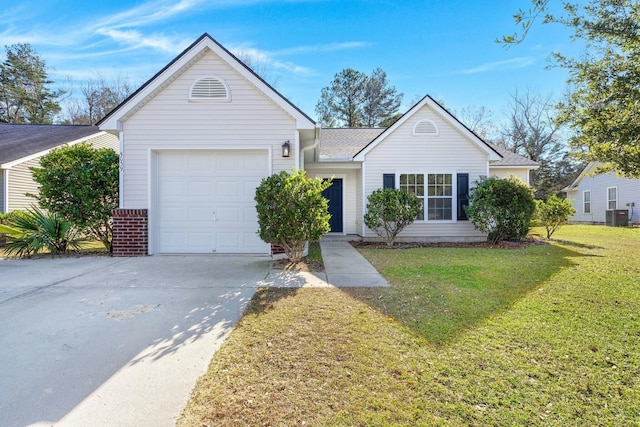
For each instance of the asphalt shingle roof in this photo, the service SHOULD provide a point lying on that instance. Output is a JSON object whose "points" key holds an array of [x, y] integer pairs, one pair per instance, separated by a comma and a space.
{"points": [[18, 141], [510, 158], [341, 144], [344, 143]]}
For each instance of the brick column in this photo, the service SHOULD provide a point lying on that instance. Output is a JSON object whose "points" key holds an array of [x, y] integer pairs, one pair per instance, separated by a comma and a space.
{"points": [[130, 232]]}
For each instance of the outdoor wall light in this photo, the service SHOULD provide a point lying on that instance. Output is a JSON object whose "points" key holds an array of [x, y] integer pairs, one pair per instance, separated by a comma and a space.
{"points": [[286, 148]]}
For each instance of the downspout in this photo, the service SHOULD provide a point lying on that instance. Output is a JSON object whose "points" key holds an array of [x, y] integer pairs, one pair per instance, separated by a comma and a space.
{"points": [[313, 146]]}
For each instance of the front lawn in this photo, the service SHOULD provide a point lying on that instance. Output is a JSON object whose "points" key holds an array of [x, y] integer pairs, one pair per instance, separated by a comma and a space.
{"points": [[548, 335]]}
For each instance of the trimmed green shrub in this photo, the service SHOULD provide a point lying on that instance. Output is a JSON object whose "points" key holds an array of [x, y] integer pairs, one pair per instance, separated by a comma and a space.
{"points": [[80, 183], [292, 211], [389, 211], [502, 208], [553, 213], [33, 231]]}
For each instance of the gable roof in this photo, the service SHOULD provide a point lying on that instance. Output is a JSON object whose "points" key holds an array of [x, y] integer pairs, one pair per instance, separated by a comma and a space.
{"points": [[446, 115], [18, 141], [341, 144], [179, 64]]}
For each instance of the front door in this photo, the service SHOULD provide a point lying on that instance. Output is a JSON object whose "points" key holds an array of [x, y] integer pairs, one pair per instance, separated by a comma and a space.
{"points": [[334, 195]]}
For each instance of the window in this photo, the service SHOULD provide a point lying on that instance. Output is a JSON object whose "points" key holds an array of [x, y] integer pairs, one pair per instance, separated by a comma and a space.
{"points": [[612, 198], [425, 127], [209, 89], [437, 200], [440, 196], [586, 199], [414, 183]]}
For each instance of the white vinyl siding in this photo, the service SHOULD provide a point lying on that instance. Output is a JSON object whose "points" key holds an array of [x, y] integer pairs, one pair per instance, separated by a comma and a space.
{"points": [[612, 198], [586, 202], [627, 193], [451, 152], [20, 183], [170, 121], [522, 174], [3, 179]]}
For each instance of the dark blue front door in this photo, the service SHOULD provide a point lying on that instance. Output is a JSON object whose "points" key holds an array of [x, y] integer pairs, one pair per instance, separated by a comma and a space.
{"points": [[334, 195]]}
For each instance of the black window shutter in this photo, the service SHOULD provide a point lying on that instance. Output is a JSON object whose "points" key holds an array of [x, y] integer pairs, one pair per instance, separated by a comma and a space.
{"points": [[463, 195], [389, 180]]}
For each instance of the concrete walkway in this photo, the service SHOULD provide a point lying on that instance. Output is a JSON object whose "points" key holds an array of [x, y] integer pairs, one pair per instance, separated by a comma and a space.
{"points": [[344, 268]]}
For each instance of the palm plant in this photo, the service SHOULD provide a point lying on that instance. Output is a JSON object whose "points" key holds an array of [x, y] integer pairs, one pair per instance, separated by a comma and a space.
{"points": [[36, 230]]}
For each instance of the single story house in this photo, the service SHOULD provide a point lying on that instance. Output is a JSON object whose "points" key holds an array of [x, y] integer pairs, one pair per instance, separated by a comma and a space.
{"points": [[22, 146], [593, 195], [198, 137]]}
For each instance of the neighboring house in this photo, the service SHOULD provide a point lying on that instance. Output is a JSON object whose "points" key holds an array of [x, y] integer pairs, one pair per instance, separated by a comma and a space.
{"points": [[199, 136], [592, 195], [22, 145]]}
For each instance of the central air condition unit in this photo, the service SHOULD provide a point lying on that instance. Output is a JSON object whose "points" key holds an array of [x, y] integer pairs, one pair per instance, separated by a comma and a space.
{"points": [[617, 218]]}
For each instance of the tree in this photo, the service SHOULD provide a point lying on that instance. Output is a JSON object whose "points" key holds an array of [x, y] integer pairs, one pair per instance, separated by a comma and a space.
{"points": [[478, 120], [81, 184], [99, 97], [292, 211], [25, 93], [381, 101], [34, 231], [554, 213], [356, 100], [389, 211], [502, 208], [603, 108], [533, 132]]}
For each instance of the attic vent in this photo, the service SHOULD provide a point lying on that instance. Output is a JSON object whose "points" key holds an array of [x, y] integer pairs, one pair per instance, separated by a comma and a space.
{"points": [[208, 89], [425, 127]]}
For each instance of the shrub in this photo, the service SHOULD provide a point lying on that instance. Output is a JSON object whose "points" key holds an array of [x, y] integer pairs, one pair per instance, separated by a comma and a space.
{"points": [[292, 211], [389, 211], [34, 231], [502, 208], [553, 213], [80, 184]]}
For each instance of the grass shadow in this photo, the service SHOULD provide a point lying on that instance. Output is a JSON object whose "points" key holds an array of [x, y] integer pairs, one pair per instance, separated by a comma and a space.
{"points": [[576, 244], [440, 292], [265, 299]]}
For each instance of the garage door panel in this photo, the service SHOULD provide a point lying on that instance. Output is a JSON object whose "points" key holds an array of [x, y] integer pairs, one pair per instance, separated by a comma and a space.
{"points": [[197, 187]]}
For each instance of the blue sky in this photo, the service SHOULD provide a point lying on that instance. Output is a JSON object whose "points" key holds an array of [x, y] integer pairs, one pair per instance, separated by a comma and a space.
{"points": [[444, 48]]}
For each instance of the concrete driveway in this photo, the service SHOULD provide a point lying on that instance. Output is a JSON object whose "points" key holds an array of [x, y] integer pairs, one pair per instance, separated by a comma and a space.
{"points": [[114, 341]]}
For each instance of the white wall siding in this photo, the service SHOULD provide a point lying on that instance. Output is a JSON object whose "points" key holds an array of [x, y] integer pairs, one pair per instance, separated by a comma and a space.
{"points": [[522, 174], [21, 182], [449, 152], [170, 121], [3, 208], [628, 192]]}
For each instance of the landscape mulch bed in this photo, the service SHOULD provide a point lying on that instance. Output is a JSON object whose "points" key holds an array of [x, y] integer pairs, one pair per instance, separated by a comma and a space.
{"points": [[486, 244], [304, 265]]}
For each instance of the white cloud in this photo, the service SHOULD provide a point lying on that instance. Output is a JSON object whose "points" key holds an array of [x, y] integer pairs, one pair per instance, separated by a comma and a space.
{"points": [[509, 64], [331, 47], [135, 39]]}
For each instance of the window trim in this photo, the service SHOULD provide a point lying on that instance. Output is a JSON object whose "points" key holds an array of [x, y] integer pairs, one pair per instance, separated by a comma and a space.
{"points": [[612, 200], [584, 202], [227, 98], [453, 197]]}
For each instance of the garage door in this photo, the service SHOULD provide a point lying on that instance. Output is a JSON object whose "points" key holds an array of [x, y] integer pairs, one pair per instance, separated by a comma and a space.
{"points": [[205, 201]]}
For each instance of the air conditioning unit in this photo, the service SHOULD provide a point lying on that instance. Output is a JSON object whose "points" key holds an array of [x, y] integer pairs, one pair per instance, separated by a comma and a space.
{"points": [[617, 218]]}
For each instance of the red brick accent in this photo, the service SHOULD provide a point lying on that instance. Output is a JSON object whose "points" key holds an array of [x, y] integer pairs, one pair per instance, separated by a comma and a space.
{"points": [[276, 249], [130, 232]]}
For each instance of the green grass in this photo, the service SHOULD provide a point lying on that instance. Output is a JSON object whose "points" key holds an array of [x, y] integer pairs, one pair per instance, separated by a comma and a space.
{"points": [[548, 335]]}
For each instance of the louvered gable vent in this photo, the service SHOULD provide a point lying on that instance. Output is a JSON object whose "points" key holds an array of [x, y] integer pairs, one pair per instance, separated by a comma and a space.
{"points": [[209, 88], [425, 127]]}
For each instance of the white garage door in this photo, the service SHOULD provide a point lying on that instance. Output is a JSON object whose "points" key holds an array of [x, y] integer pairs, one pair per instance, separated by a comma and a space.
{"points": [[205, 201]]}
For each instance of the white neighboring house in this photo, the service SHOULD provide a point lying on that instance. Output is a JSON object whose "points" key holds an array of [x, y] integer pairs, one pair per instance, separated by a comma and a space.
{"points": [[198, 137], [22, 146], [593, 195]]}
